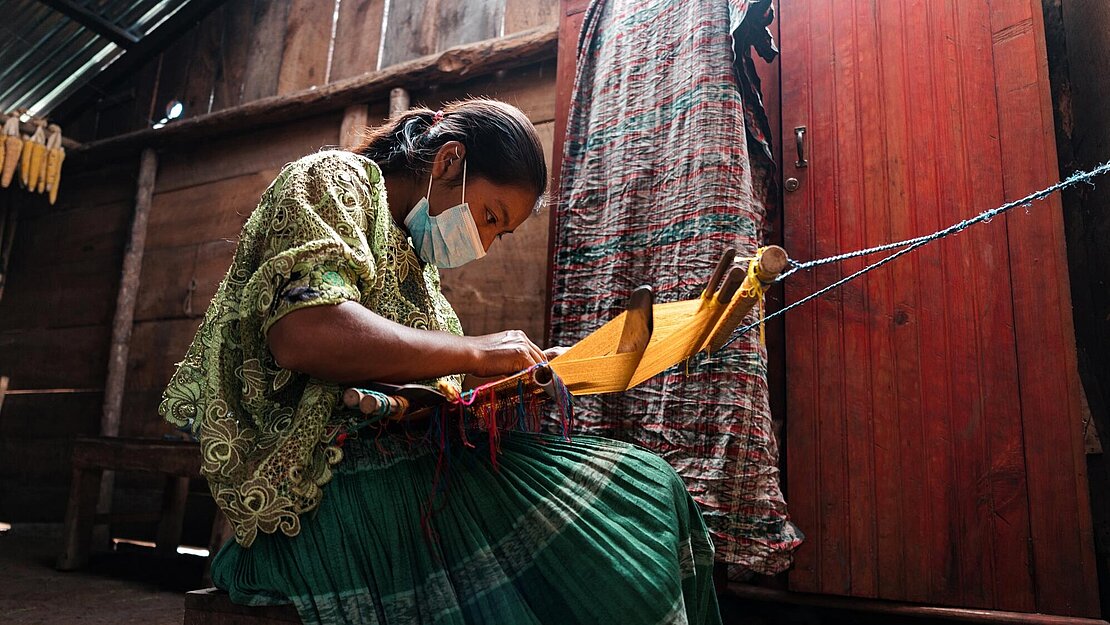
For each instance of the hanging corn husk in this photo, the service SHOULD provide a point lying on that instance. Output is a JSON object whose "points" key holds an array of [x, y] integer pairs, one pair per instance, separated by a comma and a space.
{"points": [[38, 155], [40, 186], [11, 146], [55, 154]]}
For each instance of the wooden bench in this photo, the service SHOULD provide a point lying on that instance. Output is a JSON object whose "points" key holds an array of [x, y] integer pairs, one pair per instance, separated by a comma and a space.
{"points": [[179, 461], [213, 607]]}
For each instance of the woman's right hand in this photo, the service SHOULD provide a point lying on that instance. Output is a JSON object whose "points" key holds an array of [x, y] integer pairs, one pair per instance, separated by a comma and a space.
{"points": [[503, 353]]}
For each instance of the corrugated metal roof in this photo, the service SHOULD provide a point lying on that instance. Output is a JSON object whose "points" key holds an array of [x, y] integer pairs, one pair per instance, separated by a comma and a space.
{"points": [[46, 55]]}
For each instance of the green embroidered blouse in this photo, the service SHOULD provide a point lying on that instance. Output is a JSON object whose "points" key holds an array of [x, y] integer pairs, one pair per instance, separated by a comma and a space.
{"points": [[321, 234]]}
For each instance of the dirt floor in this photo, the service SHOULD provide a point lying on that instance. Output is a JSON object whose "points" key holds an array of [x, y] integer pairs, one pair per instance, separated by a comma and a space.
{"points": [[133, 585], [127, 586]]}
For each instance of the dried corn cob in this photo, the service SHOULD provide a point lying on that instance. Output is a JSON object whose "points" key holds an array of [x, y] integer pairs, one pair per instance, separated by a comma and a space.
{"points": [[13, 148], [37, 144], [41, 185], [55, 154], [25, 162]]}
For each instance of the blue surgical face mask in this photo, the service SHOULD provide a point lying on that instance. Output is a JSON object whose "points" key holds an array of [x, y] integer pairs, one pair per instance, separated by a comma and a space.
{"points": [[449, 239]]}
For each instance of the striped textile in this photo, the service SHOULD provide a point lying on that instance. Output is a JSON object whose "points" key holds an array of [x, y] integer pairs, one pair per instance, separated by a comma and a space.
{"points": [[656, 184], [567, 532]]}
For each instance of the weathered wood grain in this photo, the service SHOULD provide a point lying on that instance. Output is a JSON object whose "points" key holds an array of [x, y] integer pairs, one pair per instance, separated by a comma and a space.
{"points": [[357, 38], [206, 212], [241, 153], [525, 14], [449, 67], [234, 52], [1059, 516], [304, 59], [125, 300], [197, 93], [74, 357], [179, 282], [267, 46], [919, 457], [528, 88]]}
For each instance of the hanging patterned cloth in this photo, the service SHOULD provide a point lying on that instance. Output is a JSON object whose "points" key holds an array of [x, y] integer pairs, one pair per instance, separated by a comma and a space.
{"points": [[657, 182]]}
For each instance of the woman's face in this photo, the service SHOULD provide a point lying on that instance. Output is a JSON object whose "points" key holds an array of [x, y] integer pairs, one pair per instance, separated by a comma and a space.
{"points": [[497, 209]]}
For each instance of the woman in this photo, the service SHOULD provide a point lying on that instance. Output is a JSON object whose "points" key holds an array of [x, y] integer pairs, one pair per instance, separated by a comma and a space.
{"points": [[335, 280]]}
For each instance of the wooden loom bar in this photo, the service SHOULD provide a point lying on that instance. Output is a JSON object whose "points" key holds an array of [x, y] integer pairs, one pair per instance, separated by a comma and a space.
{"points": [[769, 263], [451, 66]]}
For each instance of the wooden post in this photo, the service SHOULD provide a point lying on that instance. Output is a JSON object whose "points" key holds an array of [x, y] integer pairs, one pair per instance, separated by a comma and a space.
{"points": [[125, 315], [398, 101], [7, 237], [355, 119], [126, 298], [172, 519], [79, 518]]}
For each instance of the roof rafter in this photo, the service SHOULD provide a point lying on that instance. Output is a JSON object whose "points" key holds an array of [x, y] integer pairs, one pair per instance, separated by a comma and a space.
{"points": [[94, 22], [153, 43]]}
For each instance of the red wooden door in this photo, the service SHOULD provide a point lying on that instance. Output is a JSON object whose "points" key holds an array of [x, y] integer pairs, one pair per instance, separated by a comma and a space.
{"points": [[933, 441]]}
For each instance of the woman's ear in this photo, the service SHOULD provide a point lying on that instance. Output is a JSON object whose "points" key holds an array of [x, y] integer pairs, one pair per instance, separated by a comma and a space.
{"points": [[449, 160]]}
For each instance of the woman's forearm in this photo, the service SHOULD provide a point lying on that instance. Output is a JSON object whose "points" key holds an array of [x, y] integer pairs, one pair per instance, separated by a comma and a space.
{"points": [[349, 343]]}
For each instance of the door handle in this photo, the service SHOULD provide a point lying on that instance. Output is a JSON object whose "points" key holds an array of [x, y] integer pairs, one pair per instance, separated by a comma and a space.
{"points": [[800, 139]]}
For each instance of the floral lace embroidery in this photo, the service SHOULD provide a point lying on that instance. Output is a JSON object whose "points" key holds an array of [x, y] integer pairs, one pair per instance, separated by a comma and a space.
{"points": [[321, 234]]}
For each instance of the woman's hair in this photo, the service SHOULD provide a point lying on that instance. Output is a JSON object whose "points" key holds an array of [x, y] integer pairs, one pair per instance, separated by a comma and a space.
{"points": [[501, 144]]}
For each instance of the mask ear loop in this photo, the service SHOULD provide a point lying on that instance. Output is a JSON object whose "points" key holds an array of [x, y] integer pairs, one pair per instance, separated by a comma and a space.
{"points": [[464, 175], [430, 178]]}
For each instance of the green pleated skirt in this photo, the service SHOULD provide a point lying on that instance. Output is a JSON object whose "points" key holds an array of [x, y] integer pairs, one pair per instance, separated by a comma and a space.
{"points": [[582, 531]]}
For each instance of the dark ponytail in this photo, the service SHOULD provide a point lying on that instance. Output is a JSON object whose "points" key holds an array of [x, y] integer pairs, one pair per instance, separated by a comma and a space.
{"points": [[501, 144]]}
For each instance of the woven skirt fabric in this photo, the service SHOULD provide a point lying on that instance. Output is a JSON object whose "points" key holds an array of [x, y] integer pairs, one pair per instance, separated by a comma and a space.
{"points": [[583, 531]]}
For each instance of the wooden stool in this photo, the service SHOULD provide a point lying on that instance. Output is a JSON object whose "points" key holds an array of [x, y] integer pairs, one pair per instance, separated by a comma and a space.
{"points": [[178, 460], [213, 607]]}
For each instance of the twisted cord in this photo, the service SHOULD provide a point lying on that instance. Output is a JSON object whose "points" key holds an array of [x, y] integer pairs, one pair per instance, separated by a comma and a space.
{"points": [[910, 245]]}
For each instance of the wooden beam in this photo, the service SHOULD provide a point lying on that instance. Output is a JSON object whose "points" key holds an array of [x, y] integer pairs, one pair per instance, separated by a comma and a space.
{"points": [[28, 128], [177, 458], [451, 66], [94, 22]]}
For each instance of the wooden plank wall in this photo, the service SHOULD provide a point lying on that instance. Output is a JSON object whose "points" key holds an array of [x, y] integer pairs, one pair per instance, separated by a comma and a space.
{"points": [[253, 49], [55, 324], [933, 437], [55, 316]]}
